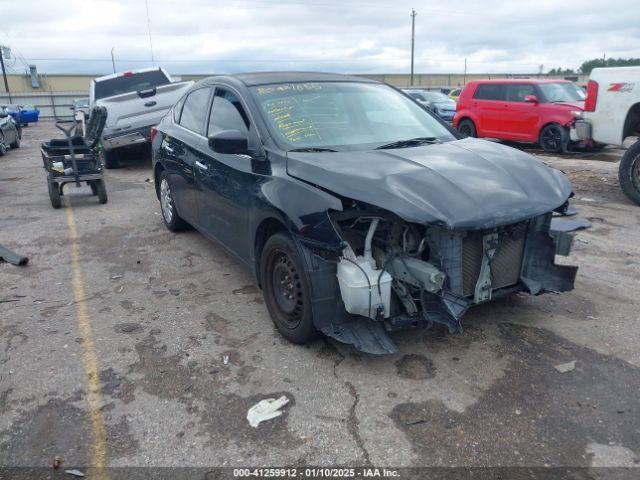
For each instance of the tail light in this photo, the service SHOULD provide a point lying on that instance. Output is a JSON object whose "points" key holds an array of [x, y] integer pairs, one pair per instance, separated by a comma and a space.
{"points": [[592, 96], [152, 134]]}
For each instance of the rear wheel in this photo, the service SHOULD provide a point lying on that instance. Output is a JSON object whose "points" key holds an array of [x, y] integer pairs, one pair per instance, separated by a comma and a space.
{"points": [[554, 138], [629, 172], [101, 190], [172, 220], [109, 159], [54, 194], [286, 292], [3, 146], [467, 128]]}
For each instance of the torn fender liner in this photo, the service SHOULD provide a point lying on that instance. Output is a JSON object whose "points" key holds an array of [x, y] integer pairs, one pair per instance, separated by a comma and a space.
{"points": [[364, 334], [539, 272], [329, 314], [463, 184]]}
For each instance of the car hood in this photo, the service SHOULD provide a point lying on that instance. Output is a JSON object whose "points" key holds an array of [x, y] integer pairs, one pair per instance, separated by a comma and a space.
{"points": [[463, 184], [450, 105], [571, 105]]}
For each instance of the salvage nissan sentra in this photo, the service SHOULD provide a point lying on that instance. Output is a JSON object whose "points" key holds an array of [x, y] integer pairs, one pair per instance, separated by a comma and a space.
{"points": [[358, 212]]}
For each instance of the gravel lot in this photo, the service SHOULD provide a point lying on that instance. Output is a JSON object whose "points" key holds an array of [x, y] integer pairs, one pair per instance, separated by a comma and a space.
{"points": [[131, 371]]}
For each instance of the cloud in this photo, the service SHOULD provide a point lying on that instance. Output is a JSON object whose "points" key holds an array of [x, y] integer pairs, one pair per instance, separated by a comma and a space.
{"points": [[202, 36]]}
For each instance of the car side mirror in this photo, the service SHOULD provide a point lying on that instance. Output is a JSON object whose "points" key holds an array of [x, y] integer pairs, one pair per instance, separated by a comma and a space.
{"points": [[531, 99], [230, 142]]}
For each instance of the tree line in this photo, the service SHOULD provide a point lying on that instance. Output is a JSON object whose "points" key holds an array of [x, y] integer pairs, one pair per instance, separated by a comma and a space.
{"points": [[589, 65]]}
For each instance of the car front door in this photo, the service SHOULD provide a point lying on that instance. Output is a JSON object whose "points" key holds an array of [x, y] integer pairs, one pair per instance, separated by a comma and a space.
{"points": [[488, 102], [184, 148], [225, 182], [521, 117]]}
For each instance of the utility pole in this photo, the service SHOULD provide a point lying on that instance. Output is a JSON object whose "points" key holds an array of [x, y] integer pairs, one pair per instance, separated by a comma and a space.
{"points": [[464, 78], [4, 72], [113, 62], [413, 37]]}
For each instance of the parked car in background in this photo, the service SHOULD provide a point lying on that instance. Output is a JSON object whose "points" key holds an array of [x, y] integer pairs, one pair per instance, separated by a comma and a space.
{"points": [[9, 132], [455, 94], [28, 114], [358, 211], [437, 102], [536, 111], [22, 114], [612, 115], [135, 101]]}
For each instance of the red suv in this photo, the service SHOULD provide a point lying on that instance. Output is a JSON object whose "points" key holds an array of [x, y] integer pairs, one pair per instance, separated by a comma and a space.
{"points": [[539, 111]]}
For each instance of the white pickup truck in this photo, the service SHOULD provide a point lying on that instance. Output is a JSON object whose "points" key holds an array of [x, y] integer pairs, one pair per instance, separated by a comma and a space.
{"points": [[611, 115], [135, 101]]}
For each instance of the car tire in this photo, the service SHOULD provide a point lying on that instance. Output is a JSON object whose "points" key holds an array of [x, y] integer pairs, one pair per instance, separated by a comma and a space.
{"points": [[54, 194], [109, 159], [94, 187], [286, 290], [629, 172], [554, 138], [172, 220], [101, 190], [15, 143], [467, 128]]}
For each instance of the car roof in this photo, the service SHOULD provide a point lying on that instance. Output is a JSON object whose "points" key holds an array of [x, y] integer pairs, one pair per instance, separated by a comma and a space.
{"points": [[521, 80], [264, 78]]}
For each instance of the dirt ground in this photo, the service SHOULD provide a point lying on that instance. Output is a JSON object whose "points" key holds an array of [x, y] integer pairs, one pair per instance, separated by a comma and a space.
{"points": [[122, 344]]}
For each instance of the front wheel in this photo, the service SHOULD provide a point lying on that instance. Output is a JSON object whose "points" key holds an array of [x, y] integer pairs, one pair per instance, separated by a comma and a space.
{"points": [[54, 194], [554, 138], [3, 146], [629, 172], [467, 128], [286, 292], [16, 142]]}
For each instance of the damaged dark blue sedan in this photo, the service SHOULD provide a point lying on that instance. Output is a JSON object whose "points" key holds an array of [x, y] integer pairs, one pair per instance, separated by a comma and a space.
{"points": [[358, 212]]}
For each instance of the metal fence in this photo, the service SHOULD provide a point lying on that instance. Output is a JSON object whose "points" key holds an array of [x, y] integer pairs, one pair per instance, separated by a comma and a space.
{"points": [[50, 104]]}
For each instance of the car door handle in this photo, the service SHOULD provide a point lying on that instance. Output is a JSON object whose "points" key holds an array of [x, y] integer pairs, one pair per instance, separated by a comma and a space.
{"points": [[201, 166]]}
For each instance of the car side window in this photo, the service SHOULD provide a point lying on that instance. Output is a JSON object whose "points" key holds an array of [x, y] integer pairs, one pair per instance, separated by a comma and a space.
{"points": [[489, 91], [177, 109], [227, 113], [194, 110], [517, 92]]}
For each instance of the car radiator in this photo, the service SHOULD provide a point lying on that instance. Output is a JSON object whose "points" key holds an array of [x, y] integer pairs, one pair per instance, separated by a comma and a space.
{"points": [[506, 263]]}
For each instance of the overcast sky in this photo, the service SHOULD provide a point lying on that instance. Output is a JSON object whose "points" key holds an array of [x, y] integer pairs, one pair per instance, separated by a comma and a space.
{"points": [[209, 36]]}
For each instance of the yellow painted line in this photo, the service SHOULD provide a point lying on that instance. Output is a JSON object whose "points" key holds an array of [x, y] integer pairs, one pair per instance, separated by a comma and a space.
{"points": [[89, 357]]}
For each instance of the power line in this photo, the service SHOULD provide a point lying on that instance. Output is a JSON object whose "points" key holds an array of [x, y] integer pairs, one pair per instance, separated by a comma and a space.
{"points": [[146, 4]]}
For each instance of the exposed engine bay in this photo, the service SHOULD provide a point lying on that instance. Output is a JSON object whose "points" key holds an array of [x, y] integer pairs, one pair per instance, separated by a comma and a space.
{"points": [[402, 275]]}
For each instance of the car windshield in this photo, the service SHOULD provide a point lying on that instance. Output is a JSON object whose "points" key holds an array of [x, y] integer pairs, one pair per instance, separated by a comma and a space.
{"points": [[436, 97], [344, 115], [562, 92], [133, 82]]}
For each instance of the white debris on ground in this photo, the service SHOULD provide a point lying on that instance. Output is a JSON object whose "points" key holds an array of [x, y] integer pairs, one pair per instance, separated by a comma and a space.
{"points": [[566, 367], [266, 410]]}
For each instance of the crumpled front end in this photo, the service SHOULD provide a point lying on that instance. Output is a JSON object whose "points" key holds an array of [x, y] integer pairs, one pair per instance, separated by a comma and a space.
{"points": [[394, 274]]}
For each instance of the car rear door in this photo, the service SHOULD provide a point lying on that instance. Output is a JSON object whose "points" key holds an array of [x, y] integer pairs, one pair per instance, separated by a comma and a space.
{"points": [[225, 182], [488, 103], [184, 148], [520, 117]]}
